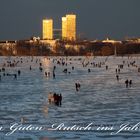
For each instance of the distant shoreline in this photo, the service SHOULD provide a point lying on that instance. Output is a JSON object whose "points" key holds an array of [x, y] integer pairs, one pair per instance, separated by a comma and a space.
{"points": [[125, 55]]}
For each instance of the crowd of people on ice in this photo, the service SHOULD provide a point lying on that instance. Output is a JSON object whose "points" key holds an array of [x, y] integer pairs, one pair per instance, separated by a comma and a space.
{"points": [[54, 98]]}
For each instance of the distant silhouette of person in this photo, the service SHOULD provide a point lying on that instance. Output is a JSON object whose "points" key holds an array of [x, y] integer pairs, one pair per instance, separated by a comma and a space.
{"points": [[19, 72], [65, 70], [89, 70], [126, 83], [77, 86], [53, 75], [106, 67], [3, 69], [55, 98], [54, 67], [130, 83], [46, 74], [40, 68], [30, 68], [15, 76], [116, 70], [117, 76], [49, 74]]}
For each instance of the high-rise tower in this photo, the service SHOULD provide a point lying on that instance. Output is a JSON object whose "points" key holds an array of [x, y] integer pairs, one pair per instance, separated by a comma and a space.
{"points": [[64, 27], [69, 27], [47, 29]]}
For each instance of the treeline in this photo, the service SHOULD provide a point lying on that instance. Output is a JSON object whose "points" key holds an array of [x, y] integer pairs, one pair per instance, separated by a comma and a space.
{"points": [[29, 49], [100, 49], [23, 48]]}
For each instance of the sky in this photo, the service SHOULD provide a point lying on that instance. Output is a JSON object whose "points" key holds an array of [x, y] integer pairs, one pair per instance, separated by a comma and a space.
{"points": [[96, 19]]}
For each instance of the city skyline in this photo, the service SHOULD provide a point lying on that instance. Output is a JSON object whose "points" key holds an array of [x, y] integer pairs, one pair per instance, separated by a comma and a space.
{"points": [[96, 19], [68, 28]]}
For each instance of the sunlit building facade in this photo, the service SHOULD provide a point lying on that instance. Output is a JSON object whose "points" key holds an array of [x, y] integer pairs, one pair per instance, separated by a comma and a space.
{"points": [[47, 29], [69, 27], [64, 27]]}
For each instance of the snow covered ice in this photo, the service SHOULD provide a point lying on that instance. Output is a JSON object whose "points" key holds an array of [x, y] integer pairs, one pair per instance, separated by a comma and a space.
{"points": [[101, 99]]}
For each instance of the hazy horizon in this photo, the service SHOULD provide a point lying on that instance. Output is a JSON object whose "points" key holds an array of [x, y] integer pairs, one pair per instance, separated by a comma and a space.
{"points": [[96, 19]]}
